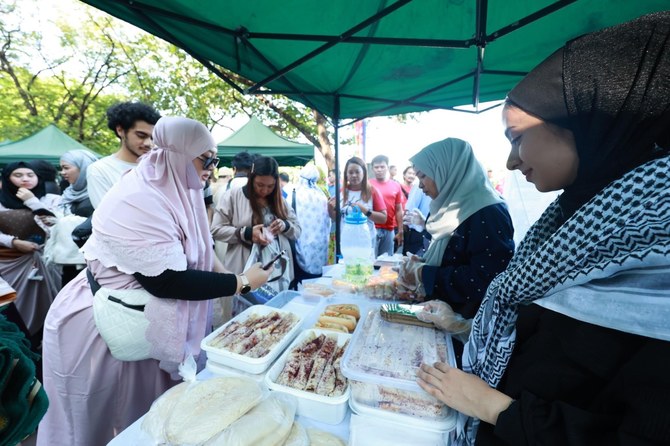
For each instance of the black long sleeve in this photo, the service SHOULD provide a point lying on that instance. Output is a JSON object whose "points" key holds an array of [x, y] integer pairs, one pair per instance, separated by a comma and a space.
{"points": [[190, 284], [479, 249], [578, 384]]}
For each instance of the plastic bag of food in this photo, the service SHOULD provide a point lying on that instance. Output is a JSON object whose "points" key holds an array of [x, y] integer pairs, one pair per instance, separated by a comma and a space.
{"points": [[321, 438], [210, 406], [154, 421], [267, 424], [297, 436], [195, 411]]}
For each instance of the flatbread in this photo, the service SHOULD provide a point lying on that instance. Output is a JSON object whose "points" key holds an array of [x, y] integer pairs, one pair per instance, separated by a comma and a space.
{"points": [[154, 421], [321, 438], [267, 424], [207, 408], [297, 436]]}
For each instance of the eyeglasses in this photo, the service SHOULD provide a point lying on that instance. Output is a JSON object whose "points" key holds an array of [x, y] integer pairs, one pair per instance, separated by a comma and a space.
{"points": [[210, 161]]}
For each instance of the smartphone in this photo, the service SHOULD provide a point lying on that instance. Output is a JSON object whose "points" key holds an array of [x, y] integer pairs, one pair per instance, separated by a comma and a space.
{"points": [[274, 259]]}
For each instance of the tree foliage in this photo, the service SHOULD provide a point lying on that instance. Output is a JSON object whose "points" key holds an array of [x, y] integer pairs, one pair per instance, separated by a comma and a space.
{"points": [[100, 60]]}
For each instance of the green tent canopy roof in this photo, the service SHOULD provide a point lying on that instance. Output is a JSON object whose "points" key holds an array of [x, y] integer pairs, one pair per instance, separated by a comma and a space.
{"points": [[254, 137], [361, 58], [48, 144]]}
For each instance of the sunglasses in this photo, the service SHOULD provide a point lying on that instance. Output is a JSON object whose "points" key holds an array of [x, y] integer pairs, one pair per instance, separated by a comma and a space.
{"points": [[208, 162]]}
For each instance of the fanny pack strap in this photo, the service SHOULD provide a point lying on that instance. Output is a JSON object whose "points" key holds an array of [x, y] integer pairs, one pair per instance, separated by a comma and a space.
{"points": [[95, 286]]}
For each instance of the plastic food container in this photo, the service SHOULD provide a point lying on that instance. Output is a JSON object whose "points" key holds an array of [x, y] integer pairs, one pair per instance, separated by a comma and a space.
{"points": [[282, 298], [222, 370], [239, 305], [319, 309], [367, 430], [318, 289], [296, 302], [329, 410], [246, 363], [381, 364]]}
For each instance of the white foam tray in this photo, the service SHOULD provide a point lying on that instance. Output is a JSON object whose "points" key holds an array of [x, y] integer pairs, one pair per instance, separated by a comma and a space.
{"points": [[245, 363], [329, 410]]}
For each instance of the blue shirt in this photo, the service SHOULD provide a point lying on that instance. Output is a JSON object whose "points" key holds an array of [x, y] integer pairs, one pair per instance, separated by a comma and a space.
{"points": [[418, 200]]}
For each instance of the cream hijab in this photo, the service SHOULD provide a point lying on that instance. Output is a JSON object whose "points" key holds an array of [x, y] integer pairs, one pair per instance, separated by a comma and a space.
{"points": [[463, 189]]}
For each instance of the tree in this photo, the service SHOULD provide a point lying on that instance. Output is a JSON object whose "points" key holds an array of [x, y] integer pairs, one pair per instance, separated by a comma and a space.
{"points": [[188, 88], [101, 60], [67, 90]]}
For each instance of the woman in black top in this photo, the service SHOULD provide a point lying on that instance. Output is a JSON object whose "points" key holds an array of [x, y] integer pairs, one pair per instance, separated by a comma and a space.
{"points": [[469, 226], [571, 343]]}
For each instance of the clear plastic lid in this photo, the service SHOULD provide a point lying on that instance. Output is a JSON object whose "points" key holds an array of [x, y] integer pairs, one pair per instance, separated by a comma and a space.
{"points": [[389, 353]]}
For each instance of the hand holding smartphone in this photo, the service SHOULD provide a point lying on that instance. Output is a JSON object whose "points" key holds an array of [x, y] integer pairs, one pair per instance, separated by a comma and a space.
{"points": [[274, 259]]}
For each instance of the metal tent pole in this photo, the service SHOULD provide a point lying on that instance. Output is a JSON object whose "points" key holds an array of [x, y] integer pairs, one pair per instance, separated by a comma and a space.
{"points": [[336, 124]]}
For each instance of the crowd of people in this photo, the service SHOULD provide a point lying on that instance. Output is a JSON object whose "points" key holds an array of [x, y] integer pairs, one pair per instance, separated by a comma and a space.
{"points": [[561, 340]]}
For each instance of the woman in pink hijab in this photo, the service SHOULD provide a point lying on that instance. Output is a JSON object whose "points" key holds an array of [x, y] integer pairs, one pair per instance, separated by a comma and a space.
{"points": [[151, 231]]}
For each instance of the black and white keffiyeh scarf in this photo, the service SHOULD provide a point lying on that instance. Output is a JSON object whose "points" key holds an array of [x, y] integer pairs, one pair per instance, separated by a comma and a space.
{"points": [[625, 226]]}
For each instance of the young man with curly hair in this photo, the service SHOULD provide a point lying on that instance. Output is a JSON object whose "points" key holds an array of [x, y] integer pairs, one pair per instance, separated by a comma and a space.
{"points": [[133, 123]]}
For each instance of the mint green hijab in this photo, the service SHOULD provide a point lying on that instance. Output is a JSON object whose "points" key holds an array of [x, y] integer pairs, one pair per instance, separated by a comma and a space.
{"points": [[463, 189]]}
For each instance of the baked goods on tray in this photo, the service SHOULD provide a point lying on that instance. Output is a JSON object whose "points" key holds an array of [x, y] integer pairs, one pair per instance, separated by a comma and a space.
{"points": [[314, 366], [339, 317], [255, 336], [403, 314]]}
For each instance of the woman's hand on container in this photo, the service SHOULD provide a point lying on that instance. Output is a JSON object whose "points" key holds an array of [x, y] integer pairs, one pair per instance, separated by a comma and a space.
{"points": [[24, 245], [24, 194], [258, 237], [441, 314], [463, 391], [258, 276], [362, 207]]}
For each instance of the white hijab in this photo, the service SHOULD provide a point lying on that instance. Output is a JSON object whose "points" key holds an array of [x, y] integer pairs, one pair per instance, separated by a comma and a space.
{"points": [[463, 189]]}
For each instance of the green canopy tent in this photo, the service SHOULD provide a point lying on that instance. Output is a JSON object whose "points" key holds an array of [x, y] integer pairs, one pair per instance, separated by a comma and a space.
{"points": [[352, 59], [254, 137], [48, 144], [360, 58]]}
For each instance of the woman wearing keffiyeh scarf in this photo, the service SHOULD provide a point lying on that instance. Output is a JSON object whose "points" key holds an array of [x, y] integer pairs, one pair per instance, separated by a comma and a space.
{"points": [[571, 343]]}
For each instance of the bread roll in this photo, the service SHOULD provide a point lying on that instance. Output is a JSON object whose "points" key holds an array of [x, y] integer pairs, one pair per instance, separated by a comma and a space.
{"points": [[349, 309], [331, 326], [334, 317]]}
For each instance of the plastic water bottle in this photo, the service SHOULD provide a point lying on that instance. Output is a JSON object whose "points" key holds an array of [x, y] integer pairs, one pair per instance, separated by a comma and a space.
{"points": [[356, 243]]}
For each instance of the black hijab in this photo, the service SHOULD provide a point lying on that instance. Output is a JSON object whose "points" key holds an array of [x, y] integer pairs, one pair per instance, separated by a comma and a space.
{"points": [[612, 90], [9, 190], [47, 173]]}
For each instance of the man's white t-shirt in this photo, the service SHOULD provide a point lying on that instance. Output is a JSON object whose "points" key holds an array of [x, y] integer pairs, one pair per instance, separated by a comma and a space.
{"points": [[102, 175], [237, 182]]}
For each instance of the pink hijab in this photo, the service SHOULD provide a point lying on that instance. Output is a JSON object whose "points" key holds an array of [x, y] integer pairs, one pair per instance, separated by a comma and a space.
{"points": [[154, 219]]}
